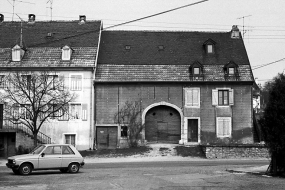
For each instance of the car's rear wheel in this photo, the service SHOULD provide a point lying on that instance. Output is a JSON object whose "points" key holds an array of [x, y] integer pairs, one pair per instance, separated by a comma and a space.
{"points": [[15, 171], [73, 167], [64, 170], [25, 169]]}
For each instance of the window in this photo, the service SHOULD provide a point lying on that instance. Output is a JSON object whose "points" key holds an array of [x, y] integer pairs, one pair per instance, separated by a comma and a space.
{"points": [[224, 126], [76, 82], [210, 48], [52, 150], [17, 53], [75, 111], [124, 131], [231, 71], [67, 150], [128, 47], [3, 83], [66, 53], [196, 71], [24, 111], [27, 81], [70, 139], [223, 97], [160, 48], [63, 114], [192, 97], [52, 81]]}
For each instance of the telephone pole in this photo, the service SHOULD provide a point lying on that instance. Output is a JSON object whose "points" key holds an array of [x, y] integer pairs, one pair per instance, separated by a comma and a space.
{"points": [[50, 1]]}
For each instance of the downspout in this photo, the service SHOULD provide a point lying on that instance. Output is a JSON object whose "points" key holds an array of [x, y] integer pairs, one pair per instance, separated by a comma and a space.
{"points": [[93, 103]]}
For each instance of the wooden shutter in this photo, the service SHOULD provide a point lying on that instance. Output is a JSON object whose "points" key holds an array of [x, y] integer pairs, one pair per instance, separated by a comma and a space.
{"points": [[231, 96], [220, 123], [214, 97], [84, 112], [196, 97], [189, 97]]}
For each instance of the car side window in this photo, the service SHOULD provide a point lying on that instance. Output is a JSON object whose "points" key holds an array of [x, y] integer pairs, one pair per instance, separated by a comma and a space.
{"points": [[57, 150], [48, 150], [67, 150]]}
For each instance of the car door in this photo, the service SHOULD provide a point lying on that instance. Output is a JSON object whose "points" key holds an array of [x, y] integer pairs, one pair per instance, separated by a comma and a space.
{"points": [[51, 158]]}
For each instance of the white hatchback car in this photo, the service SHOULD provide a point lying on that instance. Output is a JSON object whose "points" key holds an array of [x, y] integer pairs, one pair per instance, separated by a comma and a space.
{"points": [[64, 157]]}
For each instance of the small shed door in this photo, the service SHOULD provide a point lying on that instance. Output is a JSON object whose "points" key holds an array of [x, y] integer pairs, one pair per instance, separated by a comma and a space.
{"points": [[107, 137]]}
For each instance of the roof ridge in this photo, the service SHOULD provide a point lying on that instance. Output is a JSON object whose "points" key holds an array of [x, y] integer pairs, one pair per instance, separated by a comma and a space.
{"points": [[165, 31]]}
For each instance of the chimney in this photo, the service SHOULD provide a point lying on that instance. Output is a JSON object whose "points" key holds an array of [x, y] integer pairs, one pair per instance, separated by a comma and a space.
{"points": [[82, 19], [235, 32], [32, 18], [1, 18]]}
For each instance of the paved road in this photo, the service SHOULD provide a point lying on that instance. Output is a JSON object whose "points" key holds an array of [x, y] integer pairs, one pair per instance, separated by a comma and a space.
{"points": [[202, 175]]}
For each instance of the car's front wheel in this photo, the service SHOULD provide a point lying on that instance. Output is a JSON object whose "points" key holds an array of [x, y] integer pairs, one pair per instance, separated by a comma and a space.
{"points": [[73, 167], [25, 169]]}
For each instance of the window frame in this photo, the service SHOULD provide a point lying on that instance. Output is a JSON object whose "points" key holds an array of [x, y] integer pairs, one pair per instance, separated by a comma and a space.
{"points": [[66, 53], [223, 97], [210, 48], [195, 69], [70, 135], [70, 82], [192, 104], [229, 129], [122, 131]]}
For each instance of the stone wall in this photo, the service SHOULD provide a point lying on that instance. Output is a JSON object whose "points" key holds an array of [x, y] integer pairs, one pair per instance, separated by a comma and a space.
{"points": [[238, 151]]}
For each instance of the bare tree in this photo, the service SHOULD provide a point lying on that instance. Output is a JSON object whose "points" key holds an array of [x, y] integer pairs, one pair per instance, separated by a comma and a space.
{"points": [[129, 115], [34, 97]]}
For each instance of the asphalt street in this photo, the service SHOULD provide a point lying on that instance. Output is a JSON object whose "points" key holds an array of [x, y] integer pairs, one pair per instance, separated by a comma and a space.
{"points": [[202, 174]]}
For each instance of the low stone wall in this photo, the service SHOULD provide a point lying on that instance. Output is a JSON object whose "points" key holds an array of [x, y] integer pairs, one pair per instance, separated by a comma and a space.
{"points": [[236, 151]]}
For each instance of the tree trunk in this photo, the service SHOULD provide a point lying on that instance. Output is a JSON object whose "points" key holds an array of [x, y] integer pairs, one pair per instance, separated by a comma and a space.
{"points": [[274, 163], [35, 138]]}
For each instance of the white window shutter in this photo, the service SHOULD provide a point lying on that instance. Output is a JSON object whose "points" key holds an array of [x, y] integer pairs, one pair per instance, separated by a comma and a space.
{"points": [[214, 97], [189, 97], [84, 112], [220, 127], [231, 96], [195, 97]]}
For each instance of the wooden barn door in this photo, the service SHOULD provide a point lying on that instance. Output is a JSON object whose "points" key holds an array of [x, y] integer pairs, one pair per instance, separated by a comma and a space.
{"points": [[107, 137], [192, 130], [163, 125]]}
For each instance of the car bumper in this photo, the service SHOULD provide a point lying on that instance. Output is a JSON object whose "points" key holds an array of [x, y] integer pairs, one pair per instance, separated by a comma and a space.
{"points": [[82, 164], [12, 166]]}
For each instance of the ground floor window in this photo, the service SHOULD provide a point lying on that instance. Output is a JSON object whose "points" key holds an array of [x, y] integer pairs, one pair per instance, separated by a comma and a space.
{"points": [[124, 131], [224, 126], [70, 139]]}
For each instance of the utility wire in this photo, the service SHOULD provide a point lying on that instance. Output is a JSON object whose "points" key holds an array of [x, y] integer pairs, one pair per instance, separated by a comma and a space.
{"points": [[156, 14], [260, 66]]}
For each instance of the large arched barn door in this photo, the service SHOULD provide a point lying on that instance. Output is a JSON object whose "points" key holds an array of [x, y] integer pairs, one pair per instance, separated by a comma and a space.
{"points": [[163, 125]]}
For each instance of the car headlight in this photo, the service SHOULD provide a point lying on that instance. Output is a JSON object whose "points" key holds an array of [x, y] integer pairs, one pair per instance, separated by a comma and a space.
{"points": [[14, 161]]}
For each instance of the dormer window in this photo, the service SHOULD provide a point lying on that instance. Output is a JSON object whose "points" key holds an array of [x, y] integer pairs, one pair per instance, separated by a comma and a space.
{"points": [[82, 19], [209, 46], [196, 70], [231, 71], [160, 48], [17, 53], [66, 53], [127, 47]]}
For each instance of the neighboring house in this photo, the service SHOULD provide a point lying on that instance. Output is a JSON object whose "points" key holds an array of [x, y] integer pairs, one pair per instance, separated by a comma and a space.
{"points": [[195, 88], [67, 48]]}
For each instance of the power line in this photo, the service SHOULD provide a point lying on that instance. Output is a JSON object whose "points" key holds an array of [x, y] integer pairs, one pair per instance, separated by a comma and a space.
{"points": [[157, 14], [263, 65]]}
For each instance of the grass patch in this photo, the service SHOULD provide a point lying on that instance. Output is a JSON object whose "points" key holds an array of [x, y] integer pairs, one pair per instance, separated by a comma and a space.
{"points": [[110, 153], [195, 151]]}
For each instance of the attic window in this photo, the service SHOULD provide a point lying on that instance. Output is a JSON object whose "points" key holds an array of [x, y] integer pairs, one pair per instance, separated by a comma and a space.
{"points": [[82, 19], [209, 46], [128, 47], [160, 48], [196, 69], [66, 53], [231, 70], [17, 53], [49, 35]]}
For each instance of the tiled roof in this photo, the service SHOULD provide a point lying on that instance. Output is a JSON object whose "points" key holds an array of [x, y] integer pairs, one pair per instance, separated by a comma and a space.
{"points": [[164, 73], [44, 51], [63, 33], [144, 61], [51, 57]]}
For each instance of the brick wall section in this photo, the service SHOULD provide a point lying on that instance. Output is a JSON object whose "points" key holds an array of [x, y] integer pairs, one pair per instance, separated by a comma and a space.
{"points": [[248, 151]]}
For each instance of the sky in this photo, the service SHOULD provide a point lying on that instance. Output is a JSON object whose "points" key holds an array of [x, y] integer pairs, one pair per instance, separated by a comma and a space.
{"points": [[261, 21]]}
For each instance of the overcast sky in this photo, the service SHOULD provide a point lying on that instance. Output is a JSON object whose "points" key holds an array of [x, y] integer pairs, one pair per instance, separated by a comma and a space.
{"points": [[264, 21]]}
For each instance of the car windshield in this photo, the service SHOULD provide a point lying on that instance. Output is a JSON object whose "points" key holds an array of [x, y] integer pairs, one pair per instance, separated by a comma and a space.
{"points": [[38, 149]]}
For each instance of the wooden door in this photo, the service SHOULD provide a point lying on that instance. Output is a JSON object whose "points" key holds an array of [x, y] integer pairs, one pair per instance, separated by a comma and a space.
{"points": [[107, 137], [192, 130]]}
